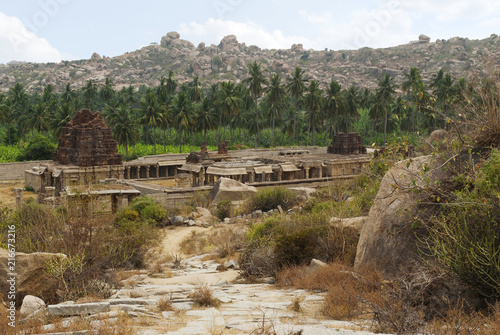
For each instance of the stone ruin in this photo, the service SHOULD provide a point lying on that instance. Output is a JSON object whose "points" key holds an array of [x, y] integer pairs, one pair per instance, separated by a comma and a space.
{"points": [[347, 144], [86, 140], [223, 148]]}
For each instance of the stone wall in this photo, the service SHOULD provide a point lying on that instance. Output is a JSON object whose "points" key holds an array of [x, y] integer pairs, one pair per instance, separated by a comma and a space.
{"points": [[15, 171], [171, 200]]}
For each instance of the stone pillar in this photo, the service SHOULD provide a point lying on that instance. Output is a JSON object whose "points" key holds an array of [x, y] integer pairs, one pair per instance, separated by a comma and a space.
{"points": [[120, 202], [252, 177], [280, 175], [306, 172], [157, 171], [147, 171], [63, 196], [127, 172], [263, 176], [321, 171], [201, 176], [19, 196]]}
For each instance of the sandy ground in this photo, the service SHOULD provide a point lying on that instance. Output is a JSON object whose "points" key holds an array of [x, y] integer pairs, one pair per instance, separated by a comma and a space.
{"points": [[171, 246], [7, 197]]}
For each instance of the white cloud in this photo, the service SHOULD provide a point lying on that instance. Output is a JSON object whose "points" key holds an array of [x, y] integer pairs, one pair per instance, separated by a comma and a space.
{"points": [[18, 43], [384, 26], [451, 10], [214, 30]]}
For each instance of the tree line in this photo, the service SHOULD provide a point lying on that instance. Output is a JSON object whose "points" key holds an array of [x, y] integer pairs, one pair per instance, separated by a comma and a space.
{"points": [[263, 110]]}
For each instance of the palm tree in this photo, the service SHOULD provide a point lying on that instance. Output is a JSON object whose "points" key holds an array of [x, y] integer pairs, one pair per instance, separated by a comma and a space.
{"points": [[89, 93], [182, 114], [384, 97], [125, 127], [151, 113], [350, 110], [195, 90], [333, 104], [37, 117], [296, 87], [206, 118], [276, 97], [255, 82], [107, 92], [229, 101], [313, 102], [63, 115], [170, 84]]}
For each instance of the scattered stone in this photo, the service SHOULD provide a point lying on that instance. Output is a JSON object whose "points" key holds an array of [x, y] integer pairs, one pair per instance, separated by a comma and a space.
{"points": [[31, 304], [356, 223], [280, 209], [78, 309], [231, 264], [177, 220], [227, 220], [316, 263]]}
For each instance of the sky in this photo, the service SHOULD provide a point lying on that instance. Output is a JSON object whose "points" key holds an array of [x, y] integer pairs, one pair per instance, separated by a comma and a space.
{"points": [[55, 30]]}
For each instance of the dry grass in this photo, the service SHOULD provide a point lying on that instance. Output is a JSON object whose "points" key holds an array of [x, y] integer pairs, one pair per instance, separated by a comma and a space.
{"points": [[340, 282], [165, 304], [227, 240], [195, 244], [7, 197], [202, 296]]}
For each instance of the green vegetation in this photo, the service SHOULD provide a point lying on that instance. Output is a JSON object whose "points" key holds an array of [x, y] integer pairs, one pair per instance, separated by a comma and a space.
{"points": [[264, 110], [92, 244], [270, 198]]}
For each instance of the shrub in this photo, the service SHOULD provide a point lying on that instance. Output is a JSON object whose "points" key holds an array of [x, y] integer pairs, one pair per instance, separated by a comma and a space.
{"points": [[281, 241], [270, 198], [226, 241], [38, 148], [466, 235], [202, 296], [149, 210], [95, 243], [223, 209]]}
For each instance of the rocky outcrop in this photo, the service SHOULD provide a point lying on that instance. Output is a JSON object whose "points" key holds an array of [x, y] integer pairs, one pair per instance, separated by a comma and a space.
{"points": [[30, 278], [229, 60], [229, 189], [388, 238], [229, 44], [86, 140]]}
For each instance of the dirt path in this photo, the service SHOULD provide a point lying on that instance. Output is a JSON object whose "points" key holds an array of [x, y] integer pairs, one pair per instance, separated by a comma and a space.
{"points": [[171, 246]]}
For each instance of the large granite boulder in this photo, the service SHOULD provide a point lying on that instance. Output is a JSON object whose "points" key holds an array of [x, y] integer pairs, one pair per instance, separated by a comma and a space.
{"points": [[388, 238], [229, 44], [229, 189], [30, 278]]}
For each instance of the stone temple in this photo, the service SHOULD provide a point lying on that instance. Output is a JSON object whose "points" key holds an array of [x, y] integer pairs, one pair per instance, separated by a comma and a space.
{"points": [[87, 163], [87, 141]]}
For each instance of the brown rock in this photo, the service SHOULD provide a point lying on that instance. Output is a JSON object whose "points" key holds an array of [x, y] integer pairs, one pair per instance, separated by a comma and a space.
{"points": [[388, 239], [31, 278]]}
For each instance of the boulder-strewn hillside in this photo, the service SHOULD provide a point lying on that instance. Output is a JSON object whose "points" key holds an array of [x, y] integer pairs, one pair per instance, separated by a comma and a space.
{"points": [[228, 60]]}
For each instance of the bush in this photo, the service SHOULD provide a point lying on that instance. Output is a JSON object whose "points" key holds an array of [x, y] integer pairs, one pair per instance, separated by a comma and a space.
{"points": [[466, 235], [223, 209], [202, 296], [270, 198], [149, 210], [38, 148], [92, 243], [282, 241]]}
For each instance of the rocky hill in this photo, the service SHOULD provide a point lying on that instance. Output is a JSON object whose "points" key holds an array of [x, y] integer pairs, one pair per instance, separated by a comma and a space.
{"points": [[228, 60]]}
